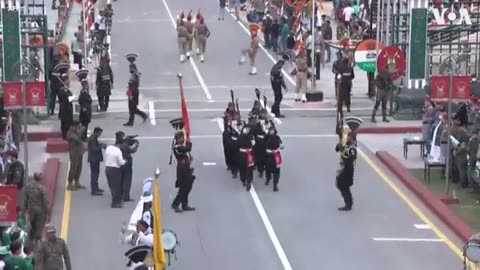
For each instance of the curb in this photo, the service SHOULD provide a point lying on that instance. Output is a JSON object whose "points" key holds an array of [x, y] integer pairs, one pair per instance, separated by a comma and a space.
{"points": [[456, 225], [51, 171], [389, 130], [38, 136]]}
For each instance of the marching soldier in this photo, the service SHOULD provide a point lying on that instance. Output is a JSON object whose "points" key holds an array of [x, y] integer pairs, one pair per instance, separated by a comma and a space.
{"points": [[231, 146], [245, 157], [383, 82], [302, 78], [201, 34], [260, 131], [335, 69], [85, 102], [346, 76], [37, 206], [252, 49], [190, 27], [344, 179], [104, 83], [278, 82], [183, 37], [53, 252], [273, 159], [227, 139], [182, 150], [133, 92], [254, 113]]}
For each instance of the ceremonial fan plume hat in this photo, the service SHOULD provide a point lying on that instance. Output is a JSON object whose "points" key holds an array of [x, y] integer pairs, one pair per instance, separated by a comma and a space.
{"points": [[82, 75], [254, 27], [131, 57], [353, 123], [61, 68], [199, 15], [178, 124], [138, 254], [189, 16]]}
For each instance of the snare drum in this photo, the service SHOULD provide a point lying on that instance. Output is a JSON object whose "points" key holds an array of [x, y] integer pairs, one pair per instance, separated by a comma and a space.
{"points": [[170, 241], [472, 248]]}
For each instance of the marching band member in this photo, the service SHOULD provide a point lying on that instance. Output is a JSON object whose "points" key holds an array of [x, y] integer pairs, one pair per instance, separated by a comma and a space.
{"points": [[85, 102], [345, 174], [182, 148], [252, 49], [147, 214], [183, 37], [201, 35], [273, 160], [301, 74], [260, 130], [142, 236], [245, 157], [190, 27]]}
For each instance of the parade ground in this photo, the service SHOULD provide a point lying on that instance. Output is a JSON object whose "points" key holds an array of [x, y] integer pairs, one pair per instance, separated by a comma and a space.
{"points": [[298, 227]]}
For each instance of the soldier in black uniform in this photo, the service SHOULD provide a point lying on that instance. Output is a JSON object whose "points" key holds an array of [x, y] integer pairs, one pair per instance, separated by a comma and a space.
{"points": [[104, 83], [66, 110], [134, 92], [182, 150], [345, 174], [345, 72], [335, 69], [259, 132], [233, 132], [278, 82], [129, 146], [227, 140], [273, 160], [254, 113], [85, 102], [246, 161]]}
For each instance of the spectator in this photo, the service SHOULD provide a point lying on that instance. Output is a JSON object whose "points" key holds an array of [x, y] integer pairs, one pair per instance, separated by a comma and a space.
{"points": [[14, 170], [15, 260], [327, 36], [77, 52], [347, 15], [3, 255], [101, 27]]}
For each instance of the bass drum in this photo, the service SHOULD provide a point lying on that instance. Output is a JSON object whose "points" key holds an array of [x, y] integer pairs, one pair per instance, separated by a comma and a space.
{"points": [[472, 248]]}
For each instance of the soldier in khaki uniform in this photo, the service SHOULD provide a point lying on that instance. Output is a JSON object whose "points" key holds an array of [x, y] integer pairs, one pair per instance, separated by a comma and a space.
{"points": [[201, 34], [253, 48], [460, 153], [37, 206], [190, 27], [301, 70], [472, 150], [53, 252], [182, 35]]}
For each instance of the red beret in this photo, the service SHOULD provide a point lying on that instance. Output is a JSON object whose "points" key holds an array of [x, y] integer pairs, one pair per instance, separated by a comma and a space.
{"points": [[12, 153]]}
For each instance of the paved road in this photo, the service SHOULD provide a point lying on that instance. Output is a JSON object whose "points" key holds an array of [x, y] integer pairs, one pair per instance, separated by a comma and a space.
{"points": [[297, 228]]}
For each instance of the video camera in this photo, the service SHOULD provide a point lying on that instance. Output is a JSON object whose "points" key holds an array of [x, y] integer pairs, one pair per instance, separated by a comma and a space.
{"points": [[131, 139]]}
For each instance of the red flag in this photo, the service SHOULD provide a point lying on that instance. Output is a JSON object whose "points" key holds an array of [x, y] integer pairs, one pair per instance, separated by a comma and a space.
{"points": [[185, 118]]}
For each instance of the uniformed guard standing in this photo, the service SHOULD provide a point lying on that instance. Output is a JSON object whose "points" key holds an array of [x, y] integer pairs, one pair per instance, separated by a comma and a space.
{"points": [[190, 28], [252, 49], [104, 84], [133, 93], [472, 150], [66, 110], [460, 154], [335, 69], [384, 83], [182, 148], [430, 115], [246, 161], [53, 252], [85, 102], [37, 207], [344, 179], [273, 161], [201, 35], [76, 150], [301, 75], [346, 76], [183, 36], [277, 81]]}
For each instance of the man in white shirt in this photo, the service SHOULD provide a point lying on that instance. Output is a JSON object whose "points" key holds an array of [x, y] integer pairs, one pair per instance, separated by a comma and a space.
{"points": [[113, 162], [101, 26], [142, 236], [347, 15]]}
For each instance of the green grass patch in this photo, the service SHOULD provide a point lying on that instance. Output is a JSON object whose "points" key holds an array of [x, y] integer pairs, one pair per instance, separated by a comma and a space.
{"points": [[469, 207]]}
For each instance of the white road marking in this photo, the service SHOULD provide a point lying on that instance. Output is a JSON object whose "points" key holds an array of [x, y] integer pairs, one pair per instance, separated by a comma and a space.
{"points": [[407, 239], [130, 20], [109, 39], [209, 163], [222, 110], [268, 226], [220, 123], [422, 226], [293, 136], [151, 112], [192, 62], [225, 87]]}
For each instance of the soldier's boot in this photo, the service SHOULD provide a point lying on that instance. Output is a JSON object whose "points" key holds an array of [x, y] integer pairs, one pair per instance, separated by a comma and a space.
{"points": [[373, 120], [249, 186], [267, 181], [188, 55], [384, 116], [78, 186], [242, 60], [71, 187], [275, 187], [304, 98], [253, 71], [202, 58], [198, 51], [297, 97], [182, 58], [176, 208]]}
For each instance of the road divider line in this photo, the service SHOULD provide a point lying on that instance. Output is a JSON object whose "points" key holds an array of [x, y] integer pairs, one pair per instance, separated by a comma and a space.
{"points": [[193, 87], [192, 62], [266, 221], [422, 226], [151, 113], [456, 250], [381, 239], [67, 202], [209, 163]]}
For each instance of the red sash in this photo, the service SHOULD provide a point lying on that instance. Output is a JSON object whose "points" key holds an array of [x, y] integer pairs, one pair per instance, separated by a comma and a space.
{"points": [[129, 92], [250, 160], [278, 158]]}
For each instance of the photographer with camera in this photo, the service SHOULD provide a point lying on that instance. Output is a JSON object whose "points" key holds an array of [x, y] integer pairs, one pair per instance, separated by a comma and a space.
{"points": [[128, 146]]}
